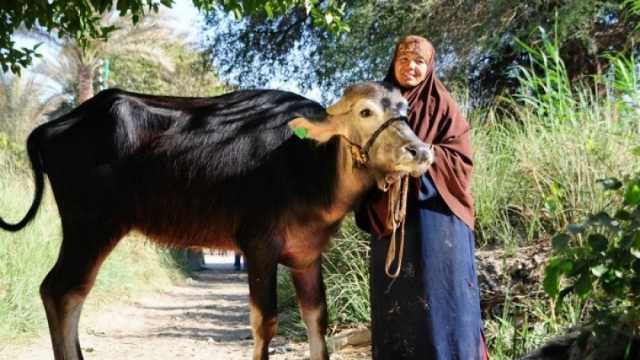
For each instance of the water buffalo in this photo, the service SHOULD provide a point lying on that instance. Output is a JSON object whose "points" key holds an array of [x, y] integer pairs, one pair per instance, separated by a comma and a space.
{"points": [[223, 172]]}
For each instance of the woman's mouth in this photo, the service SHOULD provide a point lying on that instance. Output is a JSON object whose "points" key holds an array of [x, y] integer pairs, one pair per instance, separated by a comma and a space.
{"points": [[409, 77]]}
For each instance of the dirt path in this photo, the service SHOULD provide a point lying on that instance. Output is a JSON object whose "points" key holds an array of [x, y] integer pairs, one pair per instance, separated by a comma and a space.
{"points": [[205, 318]]}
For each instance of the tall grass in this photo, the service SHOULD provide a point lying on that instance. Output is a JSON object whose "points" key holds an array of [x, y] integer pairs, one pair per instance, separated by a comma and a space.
{"points": [[26, 257], [537, 167], [531, 179]]}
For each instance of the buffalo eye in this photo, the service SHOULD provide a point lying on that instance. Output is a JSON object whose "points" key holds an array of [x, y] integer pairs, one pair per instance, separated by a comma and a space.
{"points": [[365, 113]]}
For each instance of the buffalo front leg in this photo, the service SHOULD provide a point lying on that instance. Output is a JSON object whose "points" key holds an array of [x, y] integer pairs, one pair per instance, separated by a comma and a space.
{"points": [[263, 298], [313, 307]]}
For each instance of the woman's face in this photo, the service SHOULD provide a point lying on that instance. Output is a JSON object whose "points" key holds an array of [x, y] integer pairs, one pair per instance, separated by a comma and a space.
{"points": [[410, 69]]}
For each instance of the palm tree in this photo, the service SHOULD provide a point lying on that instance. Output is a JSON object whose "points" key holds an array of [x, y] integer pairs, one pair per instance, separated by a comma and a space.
{"points": [[24, 104], [75, 67]]}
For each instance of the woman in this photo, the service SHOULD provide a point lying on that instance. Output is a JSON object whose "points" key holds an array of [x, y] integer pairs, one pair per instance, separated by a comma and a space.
{"points": [[432, 309]]}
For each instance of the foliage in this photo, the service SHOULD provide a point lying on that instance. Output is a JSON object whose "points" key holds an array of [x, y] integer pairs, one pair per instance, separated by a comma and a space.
{"points": [[600, 257], [81, 20], [545, 84], [475, 40], [191, 75], [634, 9], [75, 66], [22, 105]]}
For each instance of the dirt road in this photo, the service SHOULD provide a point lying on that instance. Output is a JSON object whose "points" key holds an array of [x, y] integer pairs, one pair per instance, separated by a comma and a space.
{"points": [[205, 318]]}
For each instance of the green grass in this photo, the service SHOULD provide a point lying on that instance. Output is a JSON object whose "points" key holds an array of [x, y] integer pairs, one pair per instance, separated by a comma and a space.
{"points": [[133, 268], [532, 179]]}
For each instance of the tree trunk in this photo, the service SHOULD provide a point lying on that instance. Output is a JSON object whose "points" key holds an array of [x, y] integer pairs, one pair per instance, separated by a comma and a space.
{"points": [[85, 83]]}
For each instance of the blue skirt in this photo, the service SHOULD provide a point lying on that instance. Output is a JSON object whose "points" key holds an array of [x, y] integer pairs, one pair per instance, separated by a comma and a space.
{"points": [[432, 310]]}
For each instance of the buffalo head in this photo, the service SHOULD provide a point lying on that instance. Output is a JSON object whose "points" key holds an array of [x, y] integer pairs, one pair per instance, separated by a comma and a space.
{"points": [[372, 117]]}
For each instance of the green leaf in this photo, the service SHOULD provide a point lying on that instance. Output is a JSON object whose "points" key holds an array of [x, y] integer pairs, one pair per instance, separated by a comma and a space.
{"points": [[565, 266], [622, 215], [601, 218], [576, 228], [632, 194], [552, 272], [269, 10], [583, 285], [237, 12], [636, 151], [556, 190], [328, 18], [551, 205], [300, 132], [635, 252], [610, 183], [560, 241], [551, 282], [599, 270], [598, 242]]}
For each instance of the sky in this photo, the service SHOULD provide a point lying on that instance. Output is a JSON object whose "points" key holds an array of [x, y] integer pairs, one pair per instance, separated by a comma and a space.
{"points": [[187, 19]]}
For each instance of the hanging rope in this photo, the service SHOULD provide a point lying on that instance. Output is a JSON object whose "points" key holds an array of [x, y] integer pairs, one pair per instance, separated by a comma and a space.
{"points": [[397, 205], [396, 217]]}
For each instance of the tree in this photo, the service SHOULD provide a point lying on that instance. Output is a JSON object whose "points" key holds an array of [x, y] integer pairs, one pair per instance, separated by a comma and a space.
{"points": [[191, 77], [81, 20], [23, 104], [475, 40], [75, 67]]}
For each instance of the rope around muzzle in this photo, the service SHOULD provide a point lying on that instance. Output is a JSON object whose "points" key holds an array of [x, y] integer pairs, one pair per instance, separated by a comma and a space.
{"points": [[360, 154]]}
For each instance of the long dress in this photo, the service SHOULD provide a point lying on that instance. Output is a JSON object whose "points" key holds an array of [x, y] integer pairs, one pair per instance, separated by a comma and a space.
{"points": [[432, 310]]}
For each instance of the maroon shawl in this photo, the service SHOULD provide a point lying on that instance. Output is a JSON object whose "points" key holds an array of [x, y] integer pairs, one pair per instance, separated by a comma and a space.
{"points": [[437, 120]]}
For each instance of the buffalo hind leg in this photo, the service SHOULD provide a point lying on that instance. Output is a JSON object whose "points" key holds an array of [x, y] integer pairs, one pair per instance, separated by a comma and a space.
{"points": [[67, 285], [263, 298], [313, 307]]}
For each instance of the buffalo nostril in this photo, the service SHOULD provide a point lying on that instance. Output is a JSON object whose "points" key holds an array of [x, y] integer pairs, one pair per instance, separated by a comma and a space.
{"points": [[423, 154]]}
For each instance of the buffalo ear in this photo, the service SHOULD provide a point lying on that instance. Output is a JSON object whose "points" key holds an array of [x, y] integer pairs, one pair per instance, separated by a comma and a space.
{"points": [[320, 131], [342, 106]]}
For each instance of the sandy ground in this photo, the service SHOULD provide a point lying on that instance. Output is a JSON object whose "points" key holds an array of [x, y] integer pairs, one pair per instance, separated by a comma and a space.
{"points": [[207, 317]]}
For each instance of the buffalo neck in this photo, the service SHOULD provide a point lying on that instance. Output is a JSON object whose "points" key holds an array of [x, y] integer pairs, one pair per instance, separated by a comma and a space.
{"points": [[351, 183]]}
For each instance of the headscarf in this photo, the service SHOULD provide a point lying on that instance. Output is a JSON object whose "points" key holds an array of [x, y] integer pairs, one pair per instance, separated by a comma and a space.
{"points": [[436, 119]]}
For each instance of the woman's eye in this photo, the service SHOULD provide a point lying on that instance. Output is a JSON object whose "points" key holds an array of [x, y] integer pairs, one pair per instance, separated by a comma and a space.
{"points": [[365, 113]]}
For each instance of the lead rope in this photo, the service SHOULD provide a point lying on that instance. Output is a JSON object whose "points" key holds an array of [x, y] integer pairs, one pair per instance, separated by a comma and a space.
{"points": [[397, 211], [397, 205]]}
